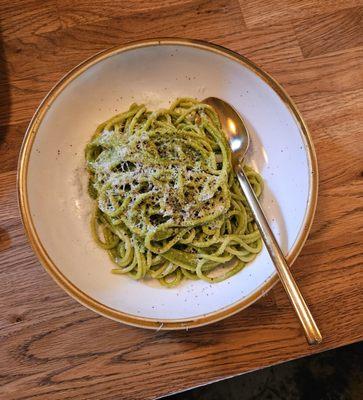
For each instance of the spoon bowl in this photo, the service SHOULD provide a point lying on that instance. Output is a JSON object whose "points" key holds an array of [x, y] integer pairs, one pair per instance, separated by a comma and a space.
{"points": [[233, 127]]}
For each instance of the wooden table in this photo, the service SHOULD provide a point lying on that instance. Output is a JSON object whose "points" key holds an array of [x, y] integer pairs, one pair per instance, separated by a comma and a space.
{"points": [[53, 348]]}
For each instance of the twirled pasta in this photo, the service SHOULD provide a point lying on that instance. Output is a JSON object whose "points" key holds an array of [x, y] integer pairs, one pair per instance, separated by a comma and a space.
{"points": [[168, 204]]}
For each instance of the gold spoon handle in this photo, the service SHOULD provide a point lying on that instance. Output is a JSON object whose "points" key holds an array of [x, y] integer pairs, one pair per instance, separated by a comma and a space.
{"points": [[312, 333]]}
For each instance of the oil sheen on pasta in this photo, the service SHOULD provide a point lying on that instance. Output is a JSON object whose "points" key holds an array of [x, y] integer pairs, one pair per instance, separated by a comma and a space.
{"points": [[167, 202]]}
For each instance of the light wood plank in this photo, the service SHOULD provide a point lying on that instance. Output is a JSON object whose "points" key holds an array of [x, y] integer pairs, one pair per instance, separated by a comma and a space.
{"points": [[340, 30], [269, 12]]}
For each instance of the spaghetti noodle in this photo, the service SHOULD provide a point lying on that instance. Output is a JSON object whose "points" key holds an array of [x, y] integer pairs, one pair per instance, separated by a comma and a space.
{"points": [[168, 204]]}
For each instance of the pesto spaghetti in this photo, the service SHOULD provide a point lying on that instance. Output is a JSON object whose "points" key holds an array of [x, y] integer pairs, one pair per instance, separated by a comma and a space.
{"points": [[168, 204]]}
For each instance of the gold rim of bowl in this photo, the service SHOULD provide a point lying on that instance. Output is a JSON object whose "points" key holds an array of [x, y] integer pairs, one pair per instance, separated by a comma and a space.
{"points": [[86, 300]]}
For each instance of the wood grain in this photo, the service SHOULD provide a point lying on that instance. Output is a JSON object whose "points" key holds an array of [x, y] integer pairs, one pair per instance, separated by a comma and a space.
{"points": [[25, 18], [53, 348], [340, 30], [270, 12], [85, 12]]}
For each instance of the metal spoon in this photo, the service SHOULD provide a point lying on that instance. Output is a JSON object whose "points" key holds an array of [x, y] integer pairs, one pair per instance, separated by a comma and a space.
{"points": [[239, 139]]}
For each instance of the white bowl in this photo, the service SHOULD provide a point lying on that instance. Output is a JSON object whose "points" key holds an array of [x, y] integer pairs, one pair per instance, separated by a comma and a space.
{"points": [[52, 179]]}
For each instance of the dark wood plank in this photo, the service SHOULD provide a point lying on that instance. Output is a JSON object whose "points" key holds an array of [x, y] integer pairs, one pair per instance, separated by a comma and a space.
{"points": [[84, 12], [11, 138], [22, 18]]}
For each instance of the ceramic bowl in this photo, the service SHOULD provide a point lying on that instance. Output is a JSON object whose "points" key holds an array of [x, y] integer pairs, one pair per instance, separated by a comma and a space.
{"points": [[53, 195]]}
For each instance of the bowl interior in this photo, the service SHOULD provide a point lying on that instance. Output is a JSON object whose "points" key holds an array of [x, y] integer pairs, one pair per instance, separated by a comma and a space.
{"points": [[156, 75]]}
